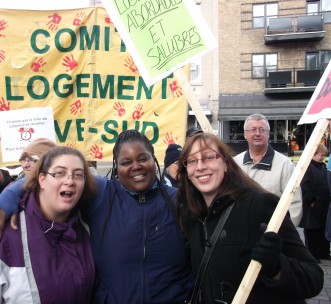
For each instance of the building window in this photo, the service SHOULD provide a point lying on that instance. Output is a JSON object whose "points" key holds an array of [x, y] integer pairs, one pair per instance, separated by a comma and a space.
{"points": [[261, 12], [317, 60], [262, 63], [195, 71], [320, 6]]}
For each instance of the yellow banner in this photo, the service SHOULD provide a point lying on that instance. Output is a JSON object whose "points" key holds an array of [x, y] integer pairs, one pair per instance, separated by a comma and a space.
{"points": [[76, 62]]}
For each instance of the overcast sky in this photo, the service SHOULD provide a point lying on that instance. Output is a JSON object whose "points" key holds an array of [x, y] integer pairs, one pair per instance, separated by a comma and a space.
{"points": [[43, 4]]}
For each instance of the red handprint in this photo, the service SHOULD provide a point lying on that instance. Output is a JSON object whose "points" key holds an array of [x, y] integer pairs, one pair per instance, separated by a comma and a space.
{"points": [[3, 25], [96, 152], [54, 23], [37, 64], [119, 107], [79, 19], [130, 64], [2, 55], [169, 139], [70, 63], [175, 89], [107, 19], [76, 107], [137, 113], [71, 145], [3, 105]]}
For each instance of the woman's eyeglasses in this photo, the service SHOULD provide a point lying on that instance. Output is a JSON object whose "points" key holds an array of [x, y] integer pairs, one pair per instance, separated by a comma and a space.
{"points": [[27, 160], [61, 175], [207, 158]]}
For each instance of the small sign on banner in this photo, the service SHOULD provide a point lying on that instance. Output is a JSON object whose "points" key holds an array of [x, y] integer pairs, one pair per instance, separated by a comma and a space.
{"points": [[20, 127]]}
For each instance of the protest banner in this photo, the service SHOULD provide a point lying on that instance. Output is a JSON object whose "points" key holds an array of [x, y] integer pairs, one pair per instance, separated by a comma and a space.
{"points": [[76, 62], [20, 127], [162, 36], [316, 110]]}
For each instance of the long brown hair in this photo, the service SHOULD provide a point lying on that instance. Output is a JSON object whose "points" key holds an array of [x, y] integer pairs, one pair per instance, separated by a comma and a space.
{"points": [[235, 182]]}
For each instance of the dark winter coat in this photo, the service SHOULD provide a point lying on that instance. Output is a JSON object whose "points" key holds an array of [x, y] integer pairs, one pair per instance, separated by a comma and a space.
{"points": [[140, 254], [301, 277], [316, 196]]}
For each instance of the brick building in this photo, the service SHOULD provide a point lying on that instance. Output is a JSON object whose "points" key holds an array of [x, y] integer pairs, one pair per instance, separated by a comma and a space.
{"points": [[271, 57]]}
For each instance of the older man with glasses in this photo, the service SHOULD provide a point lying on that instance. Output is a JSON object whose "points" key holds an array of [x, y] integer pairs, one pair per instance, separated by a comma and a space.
{"points": [[271, 169]]}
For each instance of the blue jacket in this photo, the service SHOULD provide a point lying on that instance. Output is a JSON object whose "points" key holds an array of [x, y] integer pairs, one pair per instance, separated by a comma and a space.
{"points": [[139, 252]]}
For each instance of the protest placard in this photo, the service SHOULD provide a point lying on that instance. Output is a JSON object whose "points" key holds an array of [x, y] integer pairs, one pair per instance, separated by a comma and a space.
{"points": [[19, 127], [319, 105], [161, 36]]}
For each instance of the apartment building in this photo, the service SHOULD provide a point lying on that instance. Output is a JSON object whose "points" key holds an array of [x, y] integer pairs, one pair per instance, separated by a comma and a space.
{"points": [[271, 57]]}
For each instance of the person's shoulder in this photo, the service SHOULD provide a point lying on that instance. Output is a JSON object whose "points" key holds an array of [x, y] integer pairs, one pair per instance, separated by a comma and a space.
{"points": [[172, 191], [262, 196], [282, 158], [240, 155]]}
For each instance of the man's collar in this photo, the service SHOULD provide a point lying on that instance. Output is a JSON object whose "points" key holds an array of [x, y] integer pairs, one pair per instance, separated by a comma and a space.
{"points": [[265, 163]]}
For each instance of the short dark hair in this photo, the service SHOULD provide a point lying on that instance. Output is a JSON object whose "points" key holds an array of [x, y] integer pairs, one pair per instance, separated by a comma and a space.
{"points": [[130, 136]]}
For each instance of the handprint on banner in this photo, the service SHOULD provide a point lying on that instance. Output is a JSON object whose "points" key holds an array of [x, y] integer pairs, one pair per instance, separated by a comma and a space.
{"points": [[2, 55], [70, 63], [107, 19], [3, 25], [130, 64], [175, 89], [3, 105], [54, 23], [119, 107], [72, 145], [96, 152], [76, 107], [137, 113], [169, 139], [79, 19], [37, 64]]}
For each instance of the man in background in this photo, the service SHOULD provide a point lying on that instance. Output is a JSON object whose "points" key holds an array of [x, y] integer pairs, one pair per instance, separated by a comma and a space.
{"points": [[271, 169]]}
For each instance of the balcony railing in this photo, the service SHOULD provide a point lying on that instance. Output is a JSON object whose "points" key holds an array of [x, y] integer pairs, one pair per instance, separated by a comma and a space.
{"points": [[294, 28], [292, 80]]}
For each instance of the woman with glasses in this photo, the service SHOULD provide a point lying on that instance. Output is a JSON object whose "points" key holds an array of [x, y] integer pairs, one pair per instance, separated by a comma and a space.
{"points": [[210, 184], [49, 259], [33, 152]]}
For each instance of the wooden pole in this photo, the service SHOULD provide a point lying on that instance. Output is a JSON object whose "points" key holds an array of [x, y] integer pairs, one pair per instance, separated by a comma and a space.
{"points": [[193, 101], [282, 207]]}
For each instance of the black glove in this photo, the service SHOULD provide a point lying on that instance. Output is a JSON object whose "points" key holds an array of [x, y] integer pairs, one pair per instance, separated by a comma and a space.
{"points": [[267, 251]]}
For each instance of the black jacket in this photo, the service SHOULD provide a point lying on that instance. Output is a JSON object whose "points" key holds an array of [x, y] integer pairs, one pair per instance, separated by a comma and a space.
{"points": [[315, 196], [301, 277]]}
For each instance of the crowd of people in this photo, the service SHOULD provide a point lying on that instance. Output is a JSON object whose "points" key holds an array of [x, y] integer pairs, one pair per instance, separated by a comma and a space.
{"points": [[141, 236]]}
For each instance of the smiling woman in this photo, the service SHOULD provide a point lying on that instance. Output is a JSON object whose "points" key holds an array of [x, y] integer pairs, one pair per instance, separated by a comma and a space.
{"points": [[210, 181]]}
